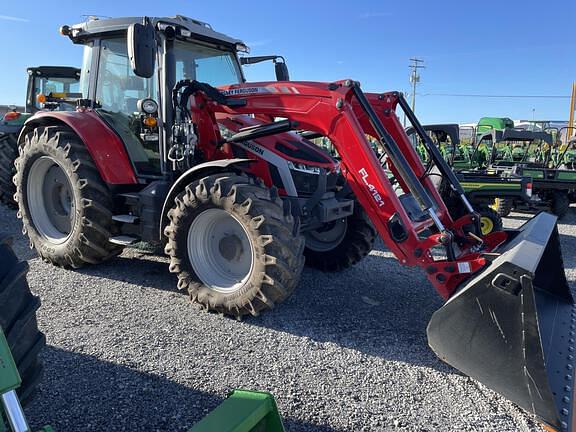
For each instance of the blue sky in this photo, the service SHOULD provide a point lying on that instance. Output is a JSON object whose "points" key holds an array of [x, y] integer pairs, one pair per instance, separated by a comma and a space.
{"points": [[490, 47]]}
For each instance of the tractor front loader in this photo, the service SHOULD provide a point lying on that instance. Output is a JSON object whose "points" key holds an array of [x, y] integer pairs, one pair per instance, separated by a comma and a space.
{"points": [[168, 146], [509, 310]]}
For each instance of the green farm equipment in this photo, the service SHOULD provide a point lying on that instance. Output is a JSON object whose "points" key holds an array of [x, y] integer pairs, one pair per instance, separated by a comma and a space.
{"points": [[20, 340], [21, 370], [484, 190], [11, 414], [488, 123], [243, 411], [518, 152], [48, 88]]}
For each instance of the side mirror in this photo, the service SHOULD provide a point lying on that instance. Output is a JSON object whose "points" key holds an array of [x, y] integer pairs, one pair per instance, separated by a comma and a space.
{"points": [[141, 49], [282, 73]]}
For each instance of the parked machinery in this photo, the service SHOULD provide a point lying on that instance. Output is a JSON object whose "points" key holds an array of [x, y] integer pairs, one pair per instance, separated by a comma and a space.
{"points": [[48, 88], [484, 190], [170, 145]]}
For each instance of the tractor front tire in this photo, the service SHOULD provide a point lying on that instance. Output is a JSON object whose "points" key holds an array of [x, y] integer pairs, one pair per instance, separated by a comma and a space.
{"points": [[503, 206], [490, 220], [8, 154], [560, 203], [63, 202], [234, 245], [330, 251], [18, 319]]}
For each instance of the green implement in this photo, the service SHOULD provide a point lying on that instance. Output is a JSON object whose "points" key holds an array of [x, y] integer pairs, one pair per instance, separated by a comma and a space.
{"points": [[11, 414], [487, 123], [243, 411]]}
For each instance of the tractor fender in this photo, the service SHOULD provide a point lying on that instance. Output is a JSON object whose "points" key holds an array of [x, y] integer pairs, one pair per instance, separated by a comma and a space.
{"points": [[105, 147], [192, 174]]}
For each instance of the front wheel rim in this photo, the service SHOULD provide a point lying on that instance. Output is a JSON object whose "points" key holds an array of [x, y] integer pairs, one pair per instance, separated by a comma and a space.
{"points": [[327, 238], [50, 200], [220, 250]]}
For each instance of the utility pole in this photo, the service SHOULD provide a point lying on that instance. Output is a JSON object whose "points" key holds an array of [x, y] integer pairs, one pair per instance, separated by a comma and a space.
{"points": [[415, 77]]}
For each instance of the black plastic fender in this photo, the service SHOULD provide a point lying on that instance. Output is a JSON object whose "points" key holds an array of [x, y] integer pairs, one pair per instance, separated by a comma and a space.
{"points": [[190, 175]]}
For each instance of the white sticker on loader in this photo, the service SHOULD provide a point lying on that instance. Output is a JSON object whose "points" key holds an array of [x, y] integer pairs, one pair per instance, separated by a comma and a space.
{"points": [[375, 194], [464, 267]]}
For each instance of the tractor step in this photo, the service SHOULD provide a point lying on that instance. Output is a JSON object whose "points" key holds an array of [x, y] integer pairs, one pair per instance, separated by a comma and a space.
{"points": [[128, 219], [124, 240]]}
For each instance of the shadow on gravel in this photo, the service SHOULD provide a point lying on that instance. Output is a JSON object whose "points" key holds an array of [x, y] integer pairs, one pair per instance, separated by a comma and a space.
{"points": [[136, 270], [82, 393], [378, 307]]}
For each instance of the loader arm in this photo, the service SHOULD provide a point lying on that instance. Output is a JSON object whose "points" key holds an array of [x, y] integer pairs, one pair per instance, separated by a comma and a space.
{"points": [[507, 319], [402, 221], [385, 106]]}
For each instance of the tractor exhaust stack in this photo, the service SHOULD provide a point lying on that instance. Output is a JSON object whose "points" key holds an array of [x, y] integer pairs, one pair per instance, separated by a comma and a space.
{"points": [[512, 327]]}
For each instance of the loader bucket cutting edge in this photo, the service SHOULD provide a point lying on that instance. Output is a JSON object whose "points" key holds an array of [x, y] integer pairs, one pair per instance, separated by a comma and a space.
{"points": [[512, 326]]}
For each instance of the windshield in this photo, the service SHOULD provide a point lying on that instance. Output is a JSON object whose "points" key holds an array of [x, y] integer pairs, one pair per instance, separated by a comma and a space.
{"points": [[204, 64], [55, 85]]}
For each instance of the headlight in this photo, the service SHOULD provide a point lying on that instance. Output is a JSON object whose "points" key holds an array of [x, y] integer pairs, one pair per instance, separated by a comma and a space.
{"points": [[148, 106], [225, 132], [303, 168]]}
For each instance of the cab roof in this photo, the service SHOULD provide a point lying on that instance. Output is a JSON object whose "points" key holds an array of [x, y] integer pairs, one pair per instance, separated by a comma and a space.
{"points": [[515, 134], [96, 26], [55, 71]]}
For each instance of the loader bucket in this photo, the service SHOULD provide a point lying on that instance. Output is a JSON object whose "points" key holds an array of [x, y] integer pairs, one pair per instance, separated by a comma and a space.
{"points": [[512, 326]]}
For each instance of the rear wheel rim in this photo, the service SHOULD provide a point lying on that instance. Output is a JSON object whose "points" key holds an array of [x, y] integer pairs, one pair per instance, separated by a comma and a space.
{"points": [[50, 200], [220, 250], [486, 225], [327, 238]]}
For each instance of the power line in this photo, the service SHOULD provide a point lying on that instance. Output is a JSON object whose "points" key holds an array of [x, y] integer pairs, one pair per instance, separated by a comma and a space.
{"points": [[497, 96]]}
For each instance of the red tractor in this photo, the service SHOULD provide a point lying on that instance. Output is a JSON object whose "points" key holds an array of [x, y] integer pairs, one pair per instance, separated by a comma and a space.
{"points": [[170, 145]]}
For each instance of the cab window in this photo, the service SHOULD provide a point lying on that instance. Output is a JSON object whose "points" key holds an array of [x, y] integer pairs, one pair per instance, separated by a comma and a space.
{"points": [[118, 91]]}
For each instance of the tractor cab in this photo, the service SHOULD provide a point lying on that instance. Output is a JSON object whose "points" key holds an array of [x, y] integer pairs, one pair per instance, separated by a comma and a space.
{"points": [[51, 87], [180, 48], [48, 88], [136, 102]]}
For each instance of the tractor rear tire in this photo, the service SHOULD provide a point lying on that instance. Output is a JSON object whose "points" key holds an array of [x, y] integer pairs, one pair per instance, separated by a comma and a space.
{"points": [[8, 155], [560, 203], [490, 220], [234, 245], [63, 202], [343, 251], [503, 206], [18, 320]]}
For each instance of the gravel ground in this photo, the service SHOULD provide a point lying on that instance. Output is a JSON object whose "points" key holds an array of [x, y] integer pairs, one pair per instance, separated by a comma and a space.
{"points": [[127, 351]]}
